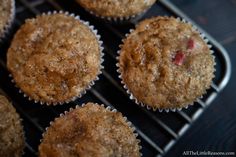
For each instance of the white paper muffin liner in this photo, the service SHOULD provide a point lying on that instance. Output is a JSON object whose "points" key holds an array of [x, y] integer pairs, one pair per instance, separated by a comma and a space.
{"points": [[132, 97], [108, 108], [91, 27], [120, 20], [8, 25]]}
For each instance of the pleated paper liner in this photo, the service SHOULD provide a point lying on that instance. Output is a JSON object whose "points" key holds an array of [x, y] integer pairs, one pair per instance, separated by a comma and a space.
{"points": [[90, 84], [132, 97], [120, 20]]}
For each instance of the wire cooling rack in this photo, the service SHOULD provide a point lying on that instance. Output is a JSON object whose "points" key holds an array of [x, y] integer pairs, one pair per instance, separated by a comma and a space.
{"points": [[158, 131]]}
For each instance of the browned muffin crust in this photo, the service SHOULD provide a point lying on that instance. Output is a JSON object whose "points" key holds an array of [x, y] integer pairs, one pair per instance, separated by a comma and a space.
{"points": [[6, 14], [89, 131], [119, 8], [165, 63], [53, 58], [11, 131]]}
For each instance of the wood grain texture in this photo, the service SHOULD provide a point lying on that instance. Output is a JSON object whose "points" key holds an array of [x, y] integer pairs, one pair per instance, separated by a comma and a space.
{"points": [[215, 130]]}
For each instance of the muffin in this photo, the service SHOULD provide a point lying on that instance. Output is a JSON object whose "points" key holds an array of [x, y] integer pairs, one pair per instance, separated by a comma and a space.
{"points": [[54, 58], [91, 131], [11, 131], [165, 64], [7, 12], [111, 9]]}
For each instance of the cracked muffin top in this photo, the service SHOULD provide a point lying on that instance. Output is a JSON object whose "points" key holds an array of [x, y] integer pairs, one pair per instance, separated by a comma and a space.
{"points": [[116, 8], [89, 131], [54, 58], [165, 63], [11, 130], [6, 14]]}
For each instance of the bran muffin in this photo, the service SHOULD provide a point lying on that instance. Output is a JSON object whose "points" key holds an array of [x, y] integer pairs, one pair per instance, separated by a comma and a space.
{"points": [[11, 131], [54, 58], [116, 9], [165, 63], [90, 131], [7, 12]]}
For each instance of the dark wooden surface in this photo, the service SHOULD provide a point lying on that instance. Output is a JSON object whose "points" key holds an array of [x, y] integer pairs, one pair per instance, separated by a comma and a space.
{"points": [[215, 130]]}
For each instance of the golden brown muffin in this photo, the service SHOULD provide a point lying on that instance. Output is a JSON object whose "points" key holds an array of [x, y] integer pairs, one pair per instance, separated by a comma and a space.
{"points": [[114, 9], [54, 58], [11, 131], [7, 12], [165, 63], [89, 131]]}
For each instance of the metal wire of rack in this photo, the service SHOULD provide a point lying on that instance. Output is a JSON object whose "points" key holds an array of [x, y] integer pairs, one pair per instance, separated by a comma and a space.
{"points": [[157, 131]]}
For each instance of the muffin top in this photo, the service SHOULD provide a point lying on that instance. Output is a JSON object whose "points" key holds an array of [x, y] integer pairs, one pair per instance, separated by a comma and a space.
{"points": [[11, 131], [116, 8], [165, 63], [53, 58], [89, 131], [6, 14]]}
